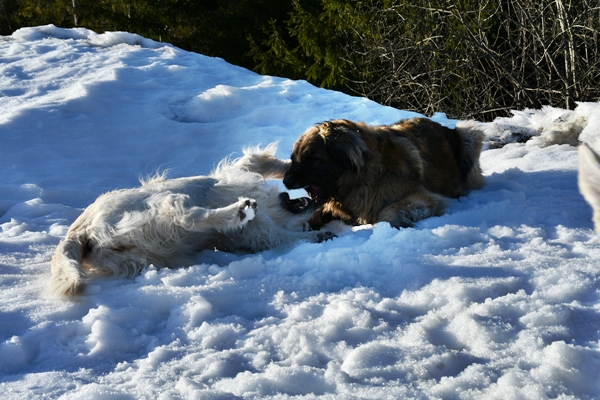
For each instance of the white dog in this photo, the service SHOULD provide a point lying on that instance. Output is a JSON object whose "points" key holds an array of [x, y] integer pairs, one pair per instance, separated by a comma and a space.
{"points": [[589, 180], [165, 222]]}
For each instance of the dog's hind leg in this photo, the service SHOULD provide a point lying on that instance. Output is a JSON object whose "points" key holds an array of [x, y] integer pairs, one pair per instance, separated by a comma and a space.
{"points": [[68, 275], [222, 219], [413, 208]]}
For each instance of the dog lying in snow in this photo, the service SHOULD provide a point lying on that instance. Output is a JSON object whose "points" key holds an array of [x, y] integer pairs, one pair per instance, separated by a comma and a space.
{"points": [[165, 222], [399, 173], [589, 180]]}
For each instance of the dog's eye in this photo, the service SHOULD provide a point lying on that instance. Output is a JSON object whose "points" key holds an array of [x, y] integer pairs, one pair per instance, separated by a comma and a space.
{"points": [[318, 160], [311, 158]]}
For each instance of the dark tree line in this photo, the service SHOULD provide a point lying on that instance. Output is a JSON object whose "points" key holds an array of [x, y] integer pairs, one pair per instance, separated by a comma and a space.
{"points": [[468, 58], [479, 58]]}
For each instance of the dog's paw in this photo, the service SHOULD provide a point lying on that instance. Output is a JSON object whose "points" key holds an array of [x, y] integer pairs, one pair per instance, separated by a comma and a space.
{"points": [[246, 210], [324, 236]]}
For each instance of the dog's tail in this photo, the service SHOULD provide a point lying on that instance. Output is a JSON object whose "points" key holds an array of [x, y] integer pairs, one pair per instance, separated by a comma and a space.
{"points": [[472, 137], [68, 274], [263, 161]]}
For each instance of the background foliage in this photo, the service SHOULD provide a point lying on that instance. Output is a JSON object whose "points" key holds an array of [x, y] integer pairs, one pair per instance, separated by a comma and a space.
{"points": [[470, 59]]}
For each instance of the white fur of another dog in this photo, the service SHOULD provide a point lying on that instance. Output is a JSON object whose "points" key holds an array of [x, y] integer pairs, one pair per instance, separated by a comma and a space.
{"points": [[165, 222], [589, 180]]}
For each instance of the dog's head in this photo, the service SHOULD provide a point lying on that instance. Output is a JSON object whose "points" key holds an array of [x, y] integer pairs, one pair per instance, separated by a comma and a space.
{"points": [[322, 154]]}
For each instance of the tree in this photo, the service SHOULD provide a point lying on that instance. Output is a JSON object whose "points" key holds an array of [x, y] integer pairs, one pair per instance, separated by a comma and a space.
{"points": [[479, 59], [42, 12], [310, 43], [7, 20]]}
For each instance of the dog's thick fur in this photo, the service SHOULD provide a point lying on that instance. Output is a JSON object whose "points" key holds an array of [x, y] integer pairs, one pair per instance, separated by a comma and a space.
{"points": [[398, 173], [589, 181], [166, 222]]}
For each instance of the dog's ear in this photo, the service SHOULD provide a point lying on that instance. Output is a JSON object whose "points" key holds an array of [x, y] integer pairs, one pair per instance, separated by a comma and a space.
{"points": [[346, 146]]}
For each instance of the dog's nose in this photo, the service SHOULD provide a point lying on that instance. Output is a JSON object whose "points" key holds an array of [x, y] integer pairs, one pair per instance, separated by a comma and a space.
{"points": [[290, 182]]}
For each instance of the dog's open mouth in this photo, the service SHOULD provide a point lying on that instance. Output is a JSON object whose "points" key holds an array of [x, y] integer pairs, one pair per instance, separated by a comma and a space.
{"points": [[296, 206], [316, 194]]}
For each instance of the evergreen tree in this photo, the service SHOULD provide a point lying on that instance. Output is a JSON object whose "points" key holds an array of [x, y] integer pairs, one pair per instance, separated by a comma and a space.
{"points": [[7, 16], [43, 12], [310, 43]]}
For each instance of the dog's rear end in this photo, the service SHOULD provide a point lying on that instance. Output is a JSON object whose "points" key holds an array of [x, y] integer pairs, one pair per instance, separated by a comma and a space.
{"points": [[451, 156], [89, 250], [472, 142], [68, 273], [589, 180]]}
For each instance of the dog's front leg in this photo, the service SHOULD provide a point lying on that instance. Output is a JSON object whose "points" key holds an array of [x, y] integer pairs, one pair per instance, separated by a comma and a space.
{"points": [[278, 237], [222, 219], [320, 236]]}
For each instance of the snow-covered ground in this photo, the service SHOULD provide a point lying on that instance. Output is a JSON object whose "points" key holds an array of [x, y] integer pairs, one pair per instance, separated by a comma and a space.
{"points": [[496, 299]]}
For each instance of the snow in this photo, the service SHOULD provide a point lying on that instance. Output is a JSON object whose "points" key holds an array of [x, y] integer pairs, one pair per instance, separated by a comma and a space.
{"points": [[496, 299]]}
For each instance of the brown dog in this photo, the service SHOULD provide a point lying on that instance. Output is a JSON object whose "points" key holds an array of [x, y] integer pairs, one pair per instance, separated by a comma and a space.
{"points": [[399, 173]]}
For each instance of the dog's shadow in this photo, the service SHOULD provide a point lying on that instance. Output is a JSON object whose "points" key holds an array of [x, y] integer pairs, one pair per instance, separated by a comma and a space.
{"points": [[514, 198]]}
